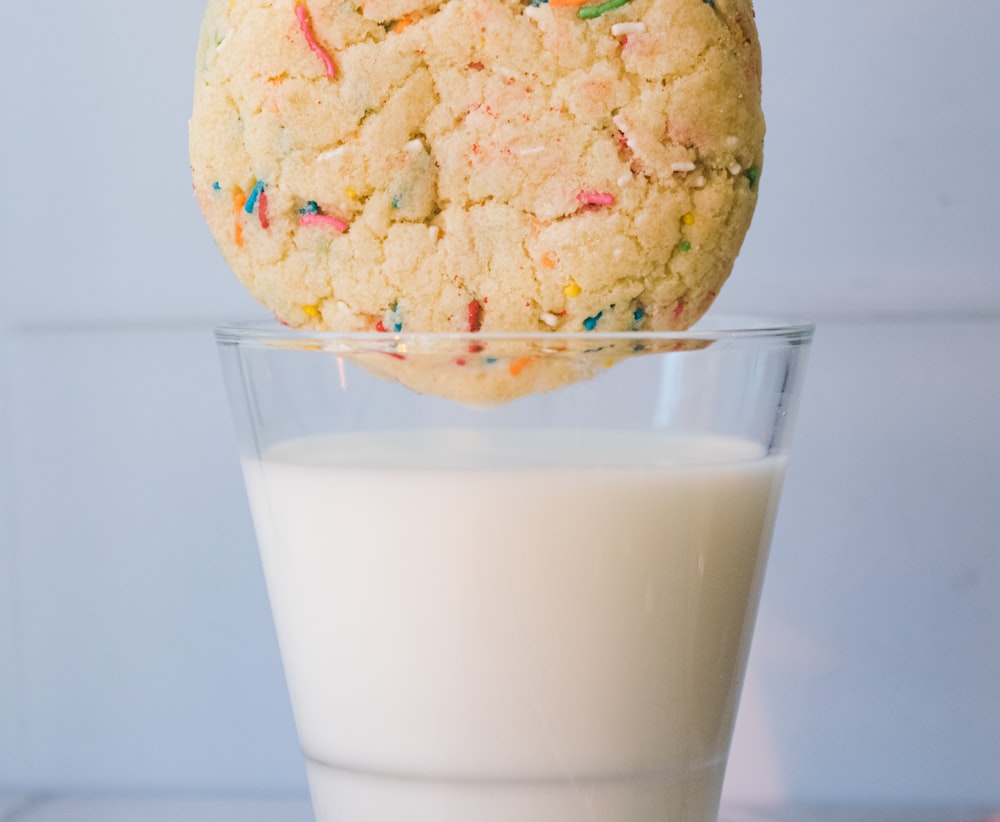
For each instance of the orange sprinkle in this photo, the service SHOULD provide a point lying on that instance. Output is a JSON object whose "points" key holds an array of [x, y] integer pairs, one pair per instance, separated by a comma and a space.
{"points": [[239, 200], [403, 23], [548, 260], [518, 365]]}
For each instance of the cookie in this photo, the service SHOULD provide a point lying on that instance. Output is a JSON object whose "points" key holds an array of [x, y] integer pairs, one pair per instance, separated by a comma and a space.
{"points": [[479, 165]]}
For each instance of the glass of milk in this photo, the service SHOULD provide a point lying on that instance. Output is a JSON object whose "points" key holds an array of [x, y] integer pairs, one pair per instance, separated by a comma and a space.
{"points": [[514, 577]]}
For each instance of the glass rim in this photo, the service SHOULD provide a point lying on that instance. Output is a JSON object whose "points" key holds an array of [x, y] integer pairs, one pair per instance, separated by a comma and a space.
{"points": [[722, 327]]}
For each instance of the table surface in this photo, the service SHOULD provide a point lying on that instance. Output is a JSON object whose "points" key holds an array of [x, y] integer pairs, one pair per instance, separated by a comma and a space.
{"points": [[93, 809]]}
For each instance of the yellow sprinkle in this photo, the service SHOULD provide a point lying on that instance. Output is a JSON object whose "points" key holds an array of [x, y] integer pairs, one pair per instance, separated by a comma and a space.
{"points": [[311, 311], [688, 219], [351, 192], [572, 290]]}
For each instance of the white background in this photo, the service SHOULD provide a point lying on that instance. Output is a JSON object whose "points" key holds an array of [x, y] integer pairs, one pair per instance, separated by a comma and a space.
{"points": [[136, 652]]}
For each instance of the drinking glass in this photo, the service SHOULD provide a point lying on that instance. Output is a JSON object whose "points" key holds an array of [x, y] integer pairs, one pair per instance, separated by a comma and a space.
{"points": [[514, 576]]}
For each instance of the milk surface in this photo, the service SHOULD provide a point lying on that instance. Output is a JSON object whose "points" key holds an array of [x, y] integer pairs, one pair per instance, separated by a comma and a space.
{"points": [[514, 626]]}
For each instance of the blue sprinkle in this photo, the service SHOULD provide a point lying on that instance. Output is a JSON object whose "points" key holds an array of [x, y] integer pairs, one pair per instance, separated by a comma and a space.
{"points": [[252, 199], [710, 2], [491, 360], [591, 322], [310, 208], [398, 327], [395, 201], [216, 186], [639, 314]]}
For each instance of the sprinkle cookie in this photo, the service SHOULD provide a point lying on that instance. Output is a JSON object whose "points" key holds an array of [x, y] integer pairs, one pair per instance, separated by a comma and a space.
{"points": [[479, 165]]}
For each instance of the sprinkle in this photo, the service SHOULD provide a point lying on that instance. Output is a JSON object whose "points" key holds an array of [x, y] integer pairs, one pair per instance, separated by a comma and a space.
{"points": [[590, 12], [434, 231], [733, 142], [566, 2], [549, 260], [685, 246], [311, 311], [475, 315], [688, 219], [602, 198], [310, 208], [265, 223], [625, 29], [252, 199], [396, 201], [323, 219], [591, 322], [753, 174], [678, 309], [216, 186], [699, 182], [682, 167], [624, 180], [572, 290], [413, 147], [518, 365], [525, 152], [402, 24], [306, 25], [491, 360], [735, 169], [329, 154], [709, 2], [639, 314], [239, 198], [550, 319]]}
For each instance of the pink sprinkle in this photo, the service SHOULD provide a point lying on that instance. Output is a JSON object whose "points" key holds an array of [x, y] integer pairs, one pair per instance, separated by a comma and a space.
{"points": [[306, 25], [323, 219], [262, 210], [678, 309], [601, 198]]}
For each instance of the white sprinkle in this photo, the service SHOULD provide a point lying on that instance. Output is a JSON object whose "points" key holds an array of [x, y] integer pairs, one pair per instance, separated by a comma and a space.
{"points": [[682, 167], [735, 169], [624, 180], [333, 152], [732, 142], [434, 231], [524, 152], [551, 320], [413, 147], [699, 183], [619, 29], [533, 12]]}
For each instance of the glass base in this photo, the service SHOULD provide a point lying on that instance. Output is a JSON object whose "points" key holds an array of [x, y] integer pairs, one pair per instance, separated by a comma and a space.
{"points": [[347, 795]]}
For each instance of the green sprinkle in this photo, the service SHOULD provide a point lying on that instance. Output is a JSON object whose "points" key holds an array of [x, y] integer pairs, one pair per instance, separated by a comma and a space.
{"points": [[753, 174], [590, 12], [685, 246]]}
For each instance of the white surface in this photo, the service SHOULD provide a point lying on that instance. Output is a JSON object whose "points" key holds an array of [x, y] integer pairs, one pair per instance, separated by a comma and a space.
{"points": [[179, 810], [135, 646]]}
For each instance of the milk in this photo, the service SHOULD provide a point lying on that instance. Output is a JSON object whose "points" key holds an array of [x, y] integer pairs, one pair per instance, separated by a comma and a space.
{"points": [[514, 626]]}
